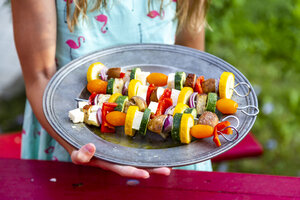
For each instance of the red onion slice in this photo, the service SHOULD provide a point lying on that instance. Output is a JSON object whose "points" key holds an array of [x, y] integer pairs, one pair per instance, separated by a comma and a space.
{"points": [[103, 74], [168, 109], [192, 100], [168, 124], [99, 115], [96, 99], [125, 88]]}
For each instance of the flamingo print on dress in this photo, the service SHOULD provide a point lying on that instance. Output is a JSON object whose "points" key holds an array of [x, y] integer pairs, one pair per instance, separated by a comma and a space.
{"points": [[49, 150], [65, 10], [102, 18], [72, 44], [153, 13]]}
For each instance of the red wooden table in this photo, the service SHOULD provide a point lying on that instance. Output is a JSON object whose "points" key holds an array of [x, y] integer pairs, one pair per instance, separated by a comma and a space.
{"points": [[31, 179], [10, 147]]}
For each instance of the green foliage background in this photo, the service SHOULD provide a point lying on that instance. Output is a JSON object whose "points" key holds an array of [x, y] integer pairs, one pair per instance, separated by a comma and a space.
{"points": [[262, 39]]}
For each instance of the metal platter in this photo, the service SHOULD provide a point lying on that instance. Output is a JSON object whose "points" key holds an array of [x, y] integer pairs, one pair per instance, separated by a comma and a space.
{"points": [[70, 82]]}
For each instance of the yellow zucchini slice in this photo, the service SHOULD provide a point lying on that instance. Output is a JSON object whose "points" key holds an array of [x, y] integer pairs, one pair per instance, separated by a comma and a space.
{"points": [[129, 120], [133, 87], [180, 108], [184, 95], [187, 122], [226, 85]]}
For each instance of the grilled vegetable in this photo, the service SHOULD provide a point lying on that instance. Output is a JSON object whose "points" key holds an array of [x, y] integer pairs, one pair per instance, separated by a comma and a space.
{"points": [[121, 101], [192, 111], [180, 108], [156, 125], [129, 120], [187, 122], [179, 80], [211, 102], [133, 87], [226, 85], [114, 97], [113, 73], [158, 79], [116, 118], [110, 86], [134, 72], [184, 95], [176, 127], [202, 131], [145, 121], [227, 106], [201, 103]]}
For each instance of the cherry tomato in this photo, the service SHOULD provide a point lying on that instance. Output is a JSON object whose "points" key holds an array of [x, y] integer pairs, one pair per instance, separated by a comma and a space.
{"points": [[201, 131], [227, 106], [98, 86], [158, 79]]}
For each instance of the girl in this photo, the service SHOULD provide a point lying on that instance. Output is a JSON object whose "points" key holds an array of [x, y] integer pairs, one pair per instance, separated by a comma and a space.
{"points": [[49, 34]]}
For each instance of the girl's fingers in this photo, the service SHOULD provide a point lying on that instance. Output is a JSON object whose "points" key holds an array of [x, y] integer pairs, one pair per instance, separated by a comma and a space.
{"points": [[126, 171], [162, 171], [84, 154]]}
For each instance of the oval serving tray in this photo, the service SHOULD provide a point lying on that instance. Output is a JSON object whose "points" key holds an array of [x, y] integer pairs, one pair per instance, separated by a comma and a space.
{"points": [[69, 82]]}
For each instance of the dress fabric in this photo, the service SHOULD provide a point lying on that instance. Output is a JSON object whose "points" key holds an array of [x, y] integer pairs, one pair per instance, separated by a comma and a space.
{"points": [[121, 22]]}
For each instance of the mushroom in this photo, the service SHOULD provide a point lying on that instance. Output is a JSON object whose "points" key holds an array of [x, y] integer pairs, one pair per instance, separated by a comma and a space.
{"points": [[156, 125], [113, 73], [136, 101]]}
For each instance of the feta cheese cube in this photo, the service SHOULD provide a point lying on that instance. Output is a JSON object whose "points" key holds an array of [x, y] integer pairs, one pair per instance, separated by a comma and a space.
{"points": [[142, 76], [142, 91], [159, 92], [174, 96], [153, 106], [137, 120], [94, 108], [171, 80], [76, 115], [92, 119], [81, 104]]}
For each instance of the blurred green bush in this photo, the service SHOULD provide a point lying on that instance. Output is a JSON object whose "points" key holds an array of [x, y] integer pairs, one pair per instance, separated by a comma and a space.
{"points": [[262, 39]]}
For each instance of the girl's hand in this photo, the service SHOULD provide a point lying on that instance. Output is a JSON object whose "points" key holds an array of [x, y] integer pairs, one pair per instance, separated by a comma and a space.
{"points": [[84, 156]]}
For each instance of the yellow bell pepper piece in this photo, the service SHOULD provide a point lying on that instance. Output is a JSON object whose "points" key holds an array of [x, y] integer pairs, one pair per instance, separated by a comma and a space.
{"points": [[226, 85], [185, 94], [129, 120], [133, 87], [187, 122]]}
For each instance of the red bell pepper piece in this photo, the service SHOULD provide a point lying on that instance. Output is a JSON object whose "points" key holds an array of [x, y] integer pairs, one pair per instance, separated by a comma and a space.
{"points": [[166, 94], [92, 97], [122, 75], [149, 92], [106, 108], [163, 105], [220, 126], [198, 86], [216, 138]]}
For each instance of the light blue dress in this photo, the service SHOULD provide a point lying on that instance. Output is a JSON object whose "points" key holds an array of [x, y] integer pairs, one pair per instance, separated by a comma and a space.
{"points": [[122, 22]]}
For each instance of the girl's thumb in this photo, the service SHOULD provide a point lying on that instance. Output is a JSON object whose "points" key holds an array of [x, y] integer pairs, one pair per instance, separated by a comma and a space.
{"points": [[84, 154]]}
